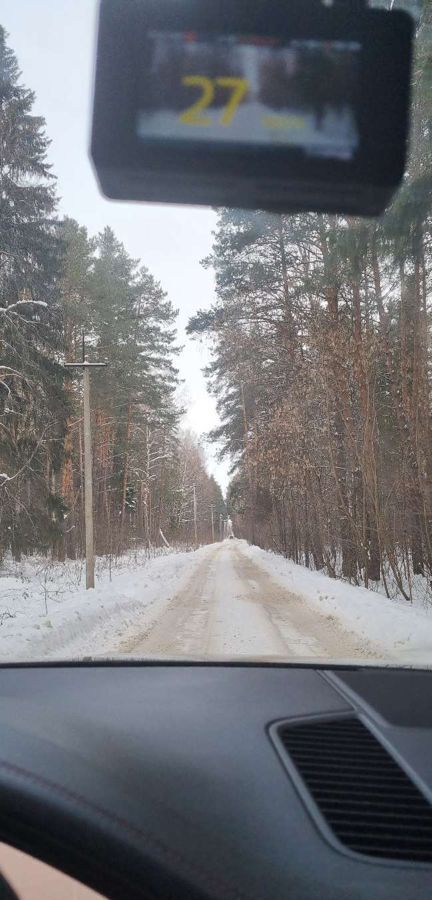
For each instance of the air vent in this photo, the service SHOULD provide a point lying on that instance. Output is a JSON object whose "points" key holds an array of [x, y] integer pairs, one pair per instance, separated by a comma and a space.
{"points": [[368, 801]]}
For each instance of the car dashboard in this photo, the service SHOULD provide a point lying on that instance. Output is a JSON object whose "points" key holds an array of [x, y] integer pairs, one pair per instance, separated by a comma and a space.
{"points": [[156, 780]]}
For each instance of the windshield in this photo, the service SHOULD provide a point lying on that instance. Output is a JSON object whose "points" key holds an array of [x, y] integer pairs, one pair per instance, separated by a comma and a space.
{"points": [[215, 425]]}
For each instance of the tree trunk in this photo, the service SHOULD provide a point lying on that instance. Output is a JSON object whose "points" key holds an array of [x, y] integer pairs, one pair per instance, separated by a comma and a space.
{"points": [[125, 477]]}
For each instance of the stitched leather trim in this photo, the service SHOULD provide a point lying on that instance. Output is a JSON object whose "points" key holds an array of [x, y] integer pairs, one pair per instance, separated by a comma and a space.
{"points": [[230, 891]]}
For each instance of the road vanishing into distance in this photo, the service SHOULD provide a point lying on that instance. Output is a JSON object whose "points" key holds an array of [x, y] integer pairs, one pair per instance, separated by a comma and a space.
{"points": [[230, 607]]}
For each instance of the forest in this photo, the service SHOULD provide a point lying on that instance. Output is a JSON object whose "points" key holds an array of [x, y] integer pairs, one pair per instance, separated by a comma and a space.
{"points": [[320, 343], [320, 362], [60, 287]]}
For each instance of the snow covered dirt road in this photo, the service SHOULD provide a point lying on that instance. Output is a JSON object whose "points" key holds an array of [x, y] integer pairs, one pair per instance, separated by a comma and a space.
{"points": [[231, 607], [229, 600]]}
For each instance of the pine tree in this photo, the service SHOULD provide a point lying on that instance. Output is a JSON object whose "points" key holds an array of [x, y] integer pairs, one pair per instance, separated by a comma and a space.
{"points": [[33, 405], [321, 370]]}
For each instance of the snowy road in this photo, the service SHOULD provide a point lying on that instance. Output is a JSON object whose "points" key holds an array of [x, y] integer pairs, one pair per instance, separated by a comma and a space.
{"points": [[230, 600], [231, 607]]}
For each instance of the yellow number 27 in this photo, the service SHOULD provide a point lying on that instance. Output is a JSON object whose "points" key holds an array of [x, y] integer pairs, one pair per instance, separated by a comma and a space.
{"points": [[194, 114]]}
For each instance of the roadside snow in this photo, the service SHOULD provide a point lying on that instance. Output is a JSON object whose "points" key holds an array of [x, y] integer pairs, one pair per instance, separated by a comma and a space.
{"points": [[45, 611], [403, 631]]}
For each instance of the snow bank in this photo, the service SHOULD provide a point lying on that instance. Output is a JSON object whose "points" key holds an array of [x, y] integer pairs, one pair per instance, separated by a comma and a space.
{"points": [[45, 611], [402, 631]]}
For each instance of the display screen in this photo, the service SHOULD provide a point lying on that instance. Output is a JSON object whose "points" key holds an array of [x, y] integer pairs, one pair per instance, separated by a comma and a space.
{"points": [[251, 91]]}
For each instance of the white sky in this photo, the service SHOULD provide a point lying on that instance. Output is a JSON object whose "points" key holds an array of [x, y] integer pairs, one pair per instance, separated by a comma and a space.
{"points": [[54, 41]]}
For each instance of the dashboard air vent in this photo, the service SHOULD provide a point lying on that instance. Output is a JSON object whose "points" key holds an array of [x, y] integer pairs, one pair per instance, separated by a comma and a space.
{"points": [[368, 801]]}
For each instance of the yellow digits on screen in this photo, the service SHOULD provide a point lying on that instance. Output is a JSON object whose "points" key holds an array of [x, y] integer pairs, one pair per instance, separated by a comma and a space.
{"points": [[238, 88], [194, 114]]}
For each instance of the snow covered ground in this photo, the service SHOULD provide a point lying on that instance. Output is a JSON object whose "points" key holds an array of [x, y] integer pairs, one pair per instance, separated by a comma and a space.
{"points": [[228, 600], [402, 630], [45, 611]]}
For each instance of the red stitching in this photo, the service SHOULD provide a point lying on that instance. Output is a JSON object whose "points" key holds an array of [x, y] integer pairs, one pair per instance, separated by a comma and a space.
{"points": [[123, 823]]}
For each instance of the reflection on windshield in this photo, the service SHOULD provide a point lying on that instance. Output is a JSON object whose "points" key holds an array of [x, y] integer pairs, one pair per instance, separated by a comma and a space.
{"points": [[286, 514]]}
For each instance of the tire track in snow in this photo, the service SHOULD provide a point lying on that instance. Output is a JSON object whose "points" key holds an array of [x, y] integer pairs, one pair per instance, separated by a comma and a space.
{"points": [[231, 608]]}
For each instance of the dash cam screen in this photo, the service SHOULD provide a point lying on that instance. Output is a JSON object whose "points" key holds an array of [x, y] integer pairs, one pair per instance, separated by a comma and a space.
{"points": [[251, 91]]}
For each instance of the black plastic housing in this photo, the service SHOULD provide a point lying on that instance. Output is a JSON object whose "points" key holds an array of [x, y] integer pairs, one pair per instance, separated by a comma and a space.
{"points": [[272, 178]]}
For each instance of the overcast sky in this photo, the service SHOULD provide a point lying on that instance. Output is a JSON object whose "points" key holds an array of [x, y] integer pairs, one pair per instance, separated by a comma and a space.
{"points": [[54, 41]]}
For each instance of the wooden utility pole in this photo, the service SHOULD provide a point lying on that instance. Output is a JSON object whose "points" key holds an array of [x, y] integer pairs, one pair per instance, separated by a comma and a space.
{"points": [[88, 464], [195, 515], [212, 521]]}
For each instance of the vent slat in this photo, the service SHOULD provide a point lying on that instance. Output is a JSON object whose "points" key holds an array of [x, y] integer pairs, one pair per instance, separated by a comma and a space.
{"points": [[377, 795], [377, 773], [367, 799], [309, 752], [386, 784], [364, 812], [422, 831], [336, 798]]}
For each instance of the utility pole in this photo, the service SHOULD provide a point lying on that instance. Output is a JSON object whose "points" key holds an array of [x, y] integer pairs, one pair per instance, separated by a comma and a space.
{"points": [[195, 514], [88, 463], [220, 526], [212, 521]]}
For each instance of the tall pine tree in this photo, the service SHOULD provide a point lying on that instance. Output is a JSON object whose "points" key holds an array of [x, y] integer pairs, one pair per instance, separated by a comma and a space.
{"points": [[32, 399]]}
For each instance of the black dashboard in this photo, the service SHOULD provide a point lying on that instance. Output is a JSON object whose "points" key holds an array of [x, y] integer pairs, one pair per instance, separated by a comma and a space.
{"points": [[169, 780]]}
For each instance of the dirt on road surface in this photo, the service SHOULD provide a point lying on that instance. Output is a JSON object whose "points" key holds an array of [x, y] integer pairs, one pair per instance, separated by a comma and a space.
{"points": [[230, 607]]}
